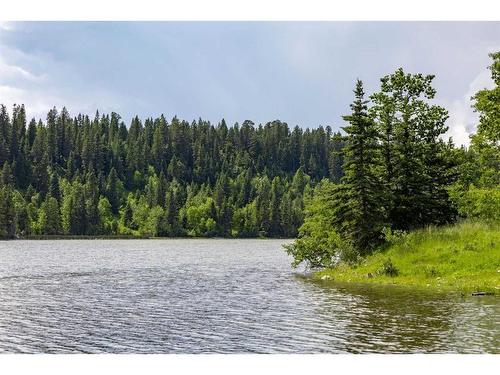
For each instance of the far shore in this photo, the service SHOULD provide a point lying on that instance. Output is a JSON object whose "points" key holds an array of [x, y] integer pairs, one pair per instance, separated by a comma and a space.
{"points": [[131, 237]]}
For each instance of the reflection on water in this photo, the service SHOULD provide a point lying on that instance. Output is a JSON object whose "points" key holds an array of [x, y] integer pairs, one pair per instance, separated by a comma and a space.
{"points": [[224, 296], [395, 319]]}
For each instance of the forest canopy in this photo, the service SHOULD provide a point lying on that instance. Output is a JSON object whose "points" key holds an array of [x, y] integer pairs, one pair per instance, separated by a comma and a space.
{"points": [[97, 176]]}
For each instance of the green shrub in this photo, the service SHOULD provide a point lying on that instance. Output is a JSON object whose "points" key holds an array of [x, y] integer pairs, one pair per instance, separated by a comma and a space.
{"points": [[394, 236], [318, 244], [478, 203], [388, 269], [348, 254]]}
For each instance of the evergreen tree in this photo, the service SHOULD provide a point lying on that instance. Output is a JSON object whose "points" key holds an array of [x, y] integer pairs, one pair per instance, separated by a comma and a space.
{"points": [[221, 191], [113, 190], [274, 212], [91, 192], [336, 159], [416, 169], [4, 135], [225, 219], [360, 214], [106, 219], [7, 212], [40, 162], [7, 178], [286, 216], [158, 148], [54, 190], [22, 224], [171, 214], [49, 219], [263, 201], [127, 215], [73, 211]]}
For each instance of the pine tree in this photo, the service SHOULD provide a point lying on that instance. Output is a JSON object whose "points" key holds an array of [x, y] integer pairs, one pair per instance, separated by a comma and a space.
{"points": [[158, 148], [360, 214], [244, 187], [54, 190], [49, 219], [336, 158], [107, 223], [224, 219], [127, 215], [286, 216], [299, 182], [40, 162], [91, 192], [113, 191], [171, 213], [274, 212], [263, 201], [73, 211], [51, 140], [4, 135], [221, 191], [161, 190], [7, 212], [22, 224], [7, 179]]}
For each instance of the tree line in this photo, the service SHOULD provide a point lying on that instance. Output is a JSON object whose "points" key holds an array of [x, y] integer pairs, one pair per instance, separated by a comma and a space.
{"points": [[399, 173], [83, 176]]}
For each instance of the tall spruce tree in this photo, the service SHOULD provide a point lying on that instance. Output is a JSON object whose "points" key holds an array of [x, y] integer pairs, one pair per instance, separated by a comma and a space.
{"points": [[360, 213], [274, 209], [7, 212]]}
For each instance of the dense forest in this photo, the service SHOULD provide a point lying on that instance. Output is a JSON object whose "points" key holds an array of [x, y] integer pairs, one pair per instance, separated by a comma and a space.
{"points": [[83, 176], [399, 173]]}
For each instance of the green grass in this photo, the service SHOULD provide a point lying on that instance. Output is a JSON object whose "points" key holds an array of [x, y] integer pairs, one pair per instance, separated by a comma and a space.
{"points": [[463, 257]]}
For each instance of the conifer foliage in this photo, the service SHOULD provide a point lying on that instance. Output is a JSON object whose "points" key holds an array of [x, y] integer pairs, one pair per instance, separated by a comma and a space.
{"points": [[96, 176], [397, 170], [360, 213]]}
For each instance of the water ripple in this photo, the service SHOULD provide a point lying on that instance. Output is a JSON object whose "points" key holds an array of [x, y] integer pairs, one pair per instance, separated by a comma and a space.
{"points": [[215, 296]]}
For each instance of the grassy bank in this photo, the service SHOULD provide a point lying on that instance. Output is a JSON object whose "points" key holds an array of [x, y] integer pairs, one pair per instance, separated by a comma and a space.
{"points": [[463, 257]]}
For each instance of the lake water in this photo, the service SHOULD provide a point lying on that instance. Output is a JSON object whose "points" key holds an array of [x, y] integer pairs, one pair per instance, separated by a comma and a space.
{"points": [[215, 296]]}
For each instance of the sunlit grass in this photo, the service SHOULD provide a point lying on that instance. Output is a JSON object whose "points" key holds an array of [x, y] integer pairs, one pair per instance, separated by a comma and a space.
{"points": [[463, 257]]}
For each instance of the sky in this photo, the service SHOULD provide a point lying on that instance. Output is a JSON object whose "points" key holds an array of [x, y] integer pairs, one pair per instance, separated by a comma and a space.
{"points": [[302, 73]]}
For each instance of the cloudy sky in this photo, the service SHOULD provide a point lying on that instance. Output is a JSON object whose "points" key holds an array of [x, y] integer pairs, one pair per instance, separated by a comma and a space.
{"points": [[300, 72]]}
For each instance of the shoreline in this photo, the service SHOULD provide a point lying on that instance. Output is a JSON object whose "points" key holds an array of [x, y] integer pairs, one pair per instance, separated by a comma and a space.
{"points": [[464, 257], [131, 237], [330, 277]]}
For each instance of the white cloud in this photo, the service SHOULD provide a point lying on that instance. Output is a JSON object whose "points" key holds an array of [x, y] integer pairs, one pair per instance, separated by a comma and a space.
{"points": [[36, 104], [463, 120], [19, 86], [7, 26], [10, 72], [41, 92]]}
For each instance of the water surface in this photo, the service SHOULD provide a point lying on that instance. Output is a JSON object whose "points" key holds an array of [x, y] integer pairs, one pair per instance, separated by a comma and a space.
{"points": [[216, 296]]}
